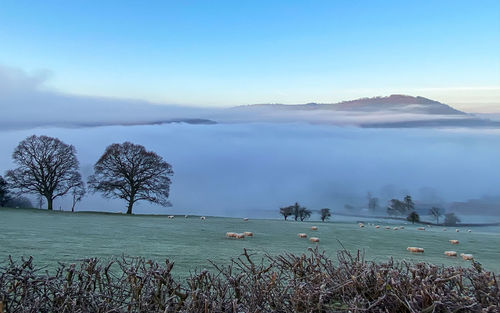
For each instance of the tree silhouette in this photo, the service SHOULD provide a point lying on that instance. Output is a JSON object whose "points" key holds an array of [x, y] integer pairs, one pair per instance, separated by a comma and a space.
{"points": [[4, 192], [46, 166], [325, 214], [286, 211], [436, 212], [127, 171], [413, 217]]}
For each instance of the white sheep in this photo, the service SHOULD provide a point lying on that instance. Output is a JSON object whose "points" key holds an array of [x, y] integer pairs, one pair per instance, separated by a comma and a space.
{"points": [[467, 256], [415, 249], [450, 253], [314, 239], [302, 235]]}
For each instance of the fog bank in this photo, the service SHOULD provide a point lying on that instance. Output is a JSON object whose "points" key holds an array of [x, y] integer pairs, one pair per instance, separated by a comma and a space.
{"points": [[253, 169]]}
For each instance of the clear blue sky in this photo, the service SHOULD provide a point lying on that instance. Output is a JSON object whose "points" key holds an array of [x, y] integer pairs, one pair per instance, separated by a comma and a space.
{"points": [[238, 52]]}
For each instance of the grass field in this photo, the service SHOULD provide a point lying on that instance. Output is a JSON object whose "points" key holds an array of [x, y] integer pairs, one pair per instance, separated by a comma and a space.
{"points": [[60, 236]]}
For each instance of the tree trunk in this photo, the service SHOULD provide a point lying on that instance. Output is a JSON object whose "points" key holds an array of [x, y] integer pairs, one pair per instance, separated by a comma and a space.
{"points": [[49, 203], [130, 205]]}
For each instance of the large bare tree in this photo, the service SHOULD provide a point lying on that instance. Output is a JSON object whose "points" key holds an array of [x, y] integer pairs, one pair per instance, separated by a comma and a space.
{"points": [[46, 166], [127, 171]]}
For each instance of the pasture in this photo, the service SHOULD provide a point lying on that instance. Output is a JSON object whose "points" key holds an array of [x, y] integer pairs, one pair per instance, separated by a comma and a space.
{"points": [[52, 237]]}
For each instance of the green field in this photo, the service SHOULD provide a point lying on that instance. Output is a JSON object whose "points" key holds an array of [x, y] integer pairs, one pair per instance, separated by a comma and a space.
{"points": [[59, 236]]}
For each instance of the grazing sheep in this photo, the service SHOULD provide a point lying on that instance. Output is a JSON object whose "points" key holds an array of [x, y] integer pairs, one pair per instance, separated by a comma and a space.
{"points": [[454, 242], [457, 230], [314, 228], [186, 216], [450, 253], [314, 239], [230, 234], [469, 231], [467, 256], [246, 219], [240, 236], [395, 228], [387, 227], [248, 234], [203, 218], [171, 216], [378, 226], [302, 235], [415, 249], [420, 228], [361, 225]]}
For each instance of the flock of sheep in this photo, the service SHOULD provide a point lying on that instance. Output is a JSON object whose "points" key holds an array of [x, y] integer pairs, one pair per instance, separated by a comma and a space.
{"points": [[421, 250], [361, 225]]}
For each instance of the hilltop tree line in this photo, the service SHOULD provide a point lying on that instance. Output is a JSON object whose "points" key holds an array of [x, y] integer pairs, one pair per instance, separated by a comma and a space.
{"points": [[49, 169]]}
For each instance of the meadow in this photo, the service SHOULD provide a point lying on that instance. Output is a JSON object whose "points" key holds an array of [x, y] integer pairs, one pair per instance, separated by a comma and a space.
{"points": [[52, 237]]}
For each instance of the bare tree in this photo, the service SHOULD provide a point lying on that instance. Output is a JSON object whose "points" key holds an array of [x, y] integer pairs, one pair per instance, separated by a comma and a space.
{"points": [[77, 195], [325, 214], [127, 171], [436, 212], [304, 213], [286, 211], [46, 166]]}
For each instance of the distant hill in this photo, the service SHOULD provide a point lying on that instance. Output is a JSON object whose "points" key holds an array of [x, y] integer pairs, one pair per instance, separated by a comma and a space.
{"points": [[400, 103]]}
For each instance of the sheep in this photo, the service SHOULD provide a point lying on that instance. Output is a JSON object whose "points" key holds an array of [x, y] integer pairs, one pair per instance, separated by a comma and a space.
{"points": [[378, 226], [171, 216], [415, 249], [186, 216], [203, 218], [401, 227], [361, 225], [248, 234], [450, 253], [302, 235], [240, 236], [469, 231], [454, 242], [395, 228], [314, 228], [314, 239], [467, 257], [387, 227], [444, 229], [230, 235], [457, 230], [420, 228], [246, 219]]}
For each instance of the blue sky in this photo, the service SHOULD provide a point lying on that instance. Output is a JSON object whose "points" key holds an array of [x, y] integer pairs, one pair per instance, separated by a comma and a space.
{"points": [[222, 53]]}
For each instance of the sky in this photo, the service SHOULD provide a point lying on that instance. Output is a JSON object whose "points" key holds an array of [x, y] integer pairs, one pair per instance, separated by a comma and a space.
{"points": [[225, 53]]}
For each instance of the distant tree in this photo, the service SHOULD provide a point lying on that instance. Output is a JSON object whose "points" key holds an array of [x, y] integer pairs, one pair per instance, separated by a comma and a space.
{"points": [[450, 219], [286, 211], [4, 192], [19, 202], [325, 214], [436, 212], [304, 213], [372, 202], [410, 206], [127, 171], [77, 195], [413, 217], [396, 207], [46, 166], [296, 211]]}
